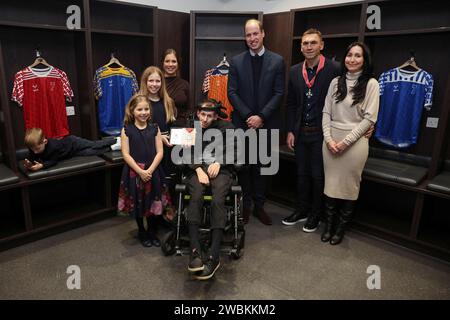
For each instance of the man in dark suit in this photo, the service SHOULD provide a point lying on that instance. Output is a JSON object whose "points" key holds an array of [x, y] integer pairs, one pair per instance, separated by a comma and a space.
{"points": [[307, 89], [255, 89]]}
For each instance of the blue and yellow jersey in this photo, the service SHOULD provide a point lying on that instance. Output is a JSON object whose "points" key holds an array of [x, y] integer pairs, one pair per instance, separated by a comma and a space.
{"points": [[113, 88]]}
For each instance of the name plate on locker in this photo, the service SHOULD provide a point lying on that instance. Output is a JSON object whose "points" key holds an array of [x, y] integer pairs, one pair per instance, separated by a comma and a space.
{"points": [[432, 122], [70, 110]]}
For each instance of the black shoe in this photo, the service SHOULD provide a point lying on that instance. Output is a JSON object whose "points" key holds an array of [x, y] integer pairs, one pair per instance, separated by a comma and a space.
{"points": [[154, 222], [246, 214], [327, 232], [294, 218], [337, 237], [154, 239], [211, 267], [312, 223], [195, 263], [144, 239], [262, 215]]}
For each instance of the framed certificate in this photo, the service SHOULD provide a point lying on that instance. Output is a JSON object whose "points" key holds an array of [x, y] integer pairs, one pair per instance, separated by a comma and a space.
{"points": [[182, 136]]}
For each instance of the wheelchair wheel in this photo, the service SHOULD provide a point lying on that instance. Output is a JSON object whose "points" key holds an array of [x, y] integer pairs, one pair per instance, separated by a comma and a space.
{"points": [[168, 243]]}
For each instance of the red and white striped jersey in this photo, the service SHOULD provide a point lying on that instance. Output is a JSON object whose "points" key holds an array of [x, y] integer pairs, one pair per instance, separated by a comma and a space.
{"points": [[42, 94]]}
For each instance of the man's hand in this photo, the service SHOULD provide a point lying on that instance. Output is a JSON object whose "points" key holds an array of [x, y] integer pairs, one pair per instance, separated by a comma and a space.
{"points": [[369, 132], [290, 141], [32, 166], [213, 170], [255, 122], [202, 176]]}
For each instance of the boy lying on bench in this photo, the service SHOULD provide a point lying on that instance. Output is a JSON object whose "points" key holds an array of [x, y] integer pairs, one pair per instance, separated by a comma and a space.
{"points": [[44, 153]]}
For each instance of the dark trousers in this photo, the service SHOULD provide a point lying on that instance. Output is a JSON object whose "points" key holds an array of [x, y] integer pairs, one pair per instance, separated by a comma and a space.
{"points": [[254, 184], [170, 172], [220, 186], [310, 176], [86, 147]]}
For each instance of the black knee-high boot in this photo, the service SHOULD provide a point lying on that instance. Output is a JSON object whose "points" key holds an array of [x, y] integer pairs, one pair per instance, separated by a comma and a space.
{"points": [[330, 215], [346, 213]]}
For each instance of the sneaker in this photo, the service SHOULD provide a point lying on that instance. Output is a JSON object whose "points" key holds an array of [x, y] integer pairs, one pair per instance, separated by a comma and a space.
{"points": [[211, 267], [294, 218], [311, 224], [116, 146], [195, 263]]}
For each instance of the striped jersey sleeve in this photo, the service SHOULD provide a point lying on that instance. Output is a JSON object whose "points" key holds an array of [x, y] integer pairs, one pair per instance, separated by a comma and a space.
{"points": [[206, 82], [18, 92], [68, 92], [97, 85]]}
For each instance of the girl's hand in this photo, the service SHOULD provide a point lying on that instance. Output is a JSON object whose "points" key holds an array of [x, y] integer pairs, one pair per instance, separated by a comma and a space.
{"points": [[145, 175], [166, 140]]}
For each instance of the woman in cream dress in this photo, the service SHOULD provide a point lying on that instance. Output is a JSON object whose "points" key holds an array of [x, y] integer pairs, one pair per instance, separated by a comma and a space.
{"points": [[351, 108]]}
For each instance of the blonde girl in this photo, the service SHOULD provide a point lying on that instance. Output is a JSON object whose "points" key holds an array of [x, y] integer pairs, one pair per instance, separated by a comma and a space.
{"points": [[142, 178]]}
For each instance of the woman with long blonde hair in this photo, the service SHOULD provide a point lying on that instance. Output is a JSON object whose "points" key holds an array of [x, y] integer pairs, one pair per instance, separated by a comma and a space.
{"points": [[164, 112], [153, 86]]}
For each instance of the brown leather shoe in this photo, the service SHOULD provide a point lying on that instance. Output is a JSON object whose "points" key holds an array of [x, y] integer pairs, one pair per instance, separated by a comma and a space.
{"points": [[246, 214], [262, 215]]}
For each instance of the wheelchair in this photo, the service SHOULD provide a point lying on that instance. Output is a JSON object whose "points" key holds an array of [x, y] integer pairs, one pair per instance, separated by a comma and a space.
{"points": [[176, 240]]}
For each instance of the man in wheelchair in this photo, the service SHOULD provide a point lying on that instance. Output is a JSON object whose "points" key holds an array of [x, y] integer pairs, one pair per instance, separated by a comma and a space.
{"points": [[205, 173]]}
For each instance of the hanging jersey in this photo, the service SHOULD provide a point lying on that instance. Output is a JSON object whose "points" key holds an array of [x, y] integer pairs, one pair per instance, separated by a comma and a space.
{"points": [[113, 88], [42, 93], [215, 84], [403, 95]]}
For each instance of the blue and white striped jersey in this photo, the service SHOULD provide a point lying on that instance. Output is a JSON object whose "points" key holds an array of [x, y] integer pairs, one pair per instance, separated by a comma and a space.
{"points": [[403, 95]]}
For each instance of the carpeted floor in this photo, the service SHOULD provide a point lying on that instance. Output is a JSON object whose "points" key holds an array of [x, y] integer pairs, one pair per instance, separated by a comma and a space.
{"points": [[279, 263]]}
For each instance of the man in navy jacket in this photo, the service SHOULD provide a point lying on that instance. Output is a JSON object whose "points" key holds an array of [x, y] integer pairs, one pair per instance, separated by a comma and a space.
{"points": [[307, 89], [255, 89]]}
